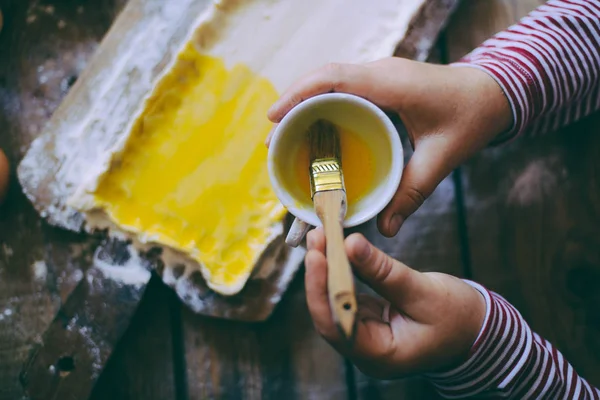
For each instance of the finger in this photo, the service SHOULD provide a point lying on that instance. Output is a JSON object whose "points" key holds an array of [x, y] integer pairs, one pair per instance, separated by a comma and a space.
{"points": [[316, 295], [347, 78], [315, 240], [270, 136], [394, 281], [369, 307], [376, 305], [425, 170], [374, 341]]}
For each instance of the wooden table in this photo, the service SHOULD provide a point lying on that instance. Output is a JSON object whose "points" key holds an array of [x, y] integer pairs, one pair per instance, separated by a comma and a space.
{"points": [[523, 219]]}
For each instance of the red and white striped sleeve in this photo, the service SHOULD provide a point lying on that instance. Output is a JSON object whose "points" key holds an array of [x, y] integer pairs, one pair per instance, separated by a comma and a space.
{"points": [[548, 65], [509, 360]]}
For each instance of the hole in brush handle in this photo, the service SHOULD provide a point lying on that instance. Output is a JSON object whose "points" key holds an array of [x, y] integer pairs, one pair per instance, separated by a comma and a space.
{"points": [[346, 299], [344, 312]]}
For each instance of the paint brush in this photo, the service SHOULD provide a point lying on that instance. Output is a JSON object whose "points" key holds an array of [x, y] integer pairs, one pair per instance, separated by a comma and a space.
{"points": [[329, 200]]}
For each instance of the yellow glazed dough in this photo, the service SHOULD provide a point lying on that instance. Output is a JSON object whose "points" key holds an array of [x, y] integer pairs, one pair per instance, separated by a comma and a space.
{"points": [[193, 174]]}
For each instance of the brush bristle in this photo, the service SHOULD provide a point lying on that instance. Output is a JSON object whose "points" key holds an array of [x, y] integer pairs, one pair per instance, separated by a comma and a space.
{"points": [[324, 141]]}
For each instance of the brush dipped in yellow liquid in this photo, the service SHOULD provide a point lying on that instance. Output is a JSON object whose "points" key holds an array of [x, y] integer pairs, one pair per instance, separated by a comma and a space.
{"points": [[328, 193], [371, 154], [359, 171]]}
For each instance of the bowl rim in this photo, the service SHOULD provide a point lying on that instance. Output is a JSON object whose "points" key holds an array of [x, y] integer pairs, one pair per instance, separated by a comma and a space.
{"points": [[393, 179]]}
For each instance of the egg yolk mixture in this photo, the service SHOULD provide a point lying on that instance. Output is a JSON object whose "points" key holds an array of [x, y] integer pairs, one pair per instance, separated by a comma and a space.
{"points": [[193, 174], [359, 174]]}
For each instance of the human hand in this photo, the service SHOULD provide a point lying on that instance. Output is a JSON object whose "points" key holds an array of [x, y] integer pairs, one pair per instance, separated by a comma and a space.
{"points": [[449, 113], [424, 322]]}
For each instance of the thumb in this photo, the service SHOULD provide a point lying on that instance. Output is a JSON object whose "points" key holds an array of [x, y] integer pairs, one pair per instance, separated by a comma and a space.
{"points": [[427, 167], [394, 281]]}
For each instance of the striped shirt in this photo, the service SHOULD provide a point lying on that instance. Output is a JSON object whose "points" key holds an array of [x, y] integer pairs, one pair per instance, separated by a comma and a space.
{"points": [[510, 361], [548, 66]]}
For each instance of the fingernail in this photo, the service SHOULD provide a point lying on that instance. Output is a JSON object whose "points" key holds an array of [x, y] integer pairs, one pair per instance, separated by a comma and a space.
{"points": [[395, 223], [363, 252]]}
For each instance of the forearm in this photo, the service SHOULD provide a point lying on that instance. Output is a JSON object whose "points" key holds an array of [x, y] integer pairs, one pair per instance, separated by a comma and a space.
{"points": [[510, 360], [548, 65]]}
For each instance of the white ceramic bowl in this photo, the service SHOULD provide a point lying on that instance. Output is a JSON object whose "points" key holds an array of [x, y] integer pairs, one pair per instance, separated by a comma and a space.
{"points": [[347, 111]]}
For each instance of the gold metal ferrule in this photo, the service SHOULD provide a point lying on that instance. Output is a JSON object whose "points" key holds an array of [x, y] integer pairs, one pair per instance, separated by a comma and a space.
{"points": [[325, 174]]}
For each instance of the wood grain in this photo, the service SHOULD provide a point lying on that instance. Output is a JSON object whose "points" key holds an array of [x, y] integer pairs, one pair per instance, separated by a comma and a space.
{"points": [[39, 265], [141, 366], [279, 358], [44, 46], [532, 211], [72, 352]]}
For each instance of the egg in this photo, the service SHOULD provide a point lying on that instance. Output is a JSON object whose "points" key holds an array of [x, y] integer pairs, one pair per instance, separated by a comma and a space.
{"points": [[4, 176]]}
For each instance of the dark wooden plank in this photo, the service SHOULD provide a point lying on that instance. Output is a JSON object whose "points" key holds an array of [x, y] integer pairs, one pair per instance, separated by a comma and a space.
{"points": [[280, 358], [533, 218], [74, 349], [44, 45], [141, 366], [532, 211], [39, 265]]}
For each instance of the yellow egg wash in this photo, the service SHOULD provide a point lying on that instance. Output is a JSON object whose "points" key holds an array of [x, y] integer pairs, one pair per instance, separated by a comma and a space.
{"points": [[193, 174], [357, 165]]}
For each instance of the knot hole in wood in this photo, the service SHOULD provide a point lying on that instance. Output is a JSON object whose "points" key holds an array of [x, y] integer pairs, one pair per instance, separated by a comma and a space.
{"points": [[65, 365]]}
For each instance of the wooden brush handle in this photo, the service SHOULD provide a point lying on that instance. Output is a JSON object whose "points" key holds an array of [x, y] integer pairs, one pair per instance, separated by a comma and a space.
{"points": [[340, 281]]}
